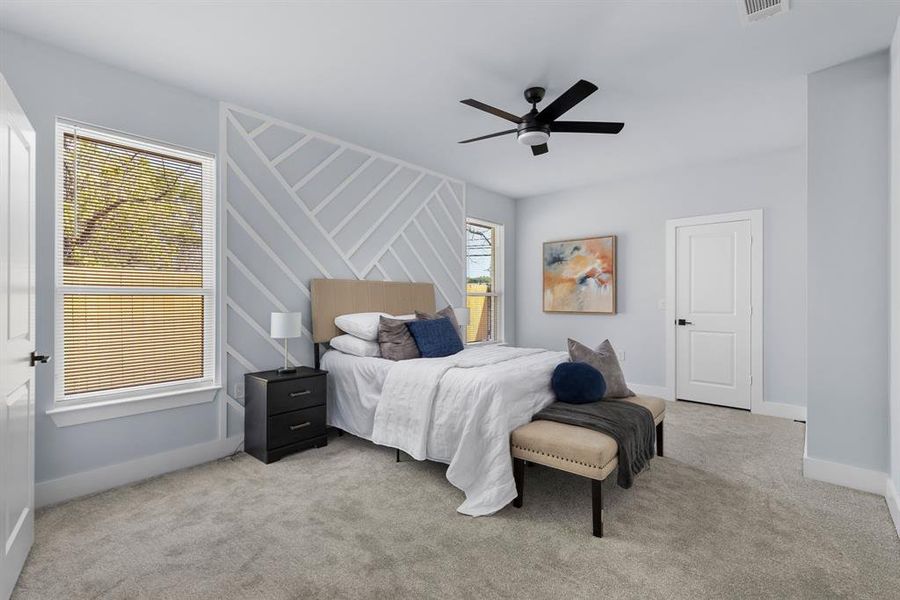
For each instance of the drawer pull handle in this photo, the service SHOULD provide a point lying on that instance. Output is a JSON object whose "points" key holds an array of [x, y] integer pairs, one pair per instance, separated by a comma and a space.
{"points": [[303, 393], [300, 426]]}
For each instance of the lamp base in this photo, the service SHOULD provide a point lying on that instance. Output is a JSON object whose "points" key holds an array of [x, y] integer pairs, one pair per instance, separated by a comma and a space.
{"points": [[287, 370]]}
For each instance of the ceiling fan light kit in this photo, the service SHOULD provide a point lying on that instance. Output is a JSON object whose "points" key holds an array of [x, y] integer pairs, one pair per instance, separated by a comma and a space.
{"points": [[534, 128], [533, 137]]}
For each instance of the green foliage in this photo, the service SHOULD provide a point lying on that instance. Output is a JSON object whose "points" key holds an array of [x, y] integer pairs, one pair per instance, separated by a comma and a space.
{"points": [[485, 279], [130, 210]]}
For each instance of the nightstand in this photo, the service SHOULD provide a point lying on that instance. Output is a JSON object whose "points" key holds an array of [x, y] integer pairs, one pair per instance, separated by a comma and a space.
{"points": [[284, 413]]}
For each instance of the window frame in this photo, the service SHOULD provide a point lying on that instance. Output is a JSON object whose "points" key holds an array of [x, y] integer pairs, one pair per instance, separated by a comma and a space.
{"points": [[67, 409], [497, 283]]}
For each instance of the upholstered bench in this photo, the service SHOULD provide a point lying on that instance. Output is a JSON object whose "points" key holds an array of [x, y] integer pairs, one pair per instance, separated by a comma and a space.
{"points": [[576, 450]]}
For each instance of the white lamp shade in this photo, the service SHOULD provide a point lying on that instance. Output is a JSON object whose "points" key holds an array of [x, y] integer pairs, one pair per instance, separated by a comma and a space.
{"points": [[462, 315], [286, 325]]}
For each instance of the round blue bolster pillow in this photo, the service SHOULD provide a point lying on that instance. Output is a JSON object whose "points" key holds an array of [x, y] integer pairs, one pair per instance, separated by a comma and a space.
{"points": [[577, 383]]}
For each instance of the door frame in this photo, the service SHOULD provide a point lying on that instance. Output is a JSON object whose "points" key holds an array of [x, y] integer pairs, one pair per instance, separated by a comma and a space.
{"points": [[755, 217]]}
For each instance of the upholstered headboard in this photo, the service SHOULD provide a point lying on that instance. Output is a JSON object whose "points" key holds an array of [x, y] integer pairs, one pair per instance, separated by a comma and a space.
{"points": [[333, 297]]}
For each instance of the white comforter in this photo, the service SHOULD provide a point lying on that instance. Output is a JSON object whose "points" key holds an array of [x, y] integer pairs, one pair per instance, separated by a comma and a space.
{"points": [[461, 410]]}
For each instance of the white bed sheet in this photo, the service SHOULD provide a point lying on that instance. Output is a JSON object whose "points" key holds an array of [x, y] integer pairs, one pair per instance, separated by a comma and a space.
{"points": [[354, 389], [458, 410]]}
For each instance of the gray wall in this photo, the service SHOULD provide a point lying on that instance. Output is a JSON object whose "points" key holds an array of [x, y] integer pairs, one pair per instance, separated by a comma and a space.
{"points": [[895, 262], [489, 206], [49, 83], [848, 254], [636, 211]]}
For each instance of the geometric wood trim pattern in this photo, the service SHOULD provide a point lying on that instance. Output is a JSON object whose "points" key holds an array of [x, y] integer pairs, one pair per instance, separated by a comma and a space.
{"points": [[301, 205]]}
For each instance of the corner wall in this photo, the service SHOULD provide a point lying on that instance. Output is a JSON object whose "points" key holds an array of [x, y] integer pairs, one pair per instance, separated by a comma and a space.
{"points": [[894, 484], [52, 83], [848, 255]]}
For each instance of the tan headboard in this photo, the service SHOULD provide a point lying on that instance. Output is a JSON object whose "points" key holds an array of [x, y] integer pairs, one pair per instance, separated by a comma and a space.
{"points": [[333, 297]]}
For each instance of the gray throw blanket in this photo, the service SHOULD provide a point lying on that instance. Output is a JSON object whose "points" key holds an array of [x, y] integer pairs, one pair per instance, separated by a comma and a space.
{"points": [[631, 425]]}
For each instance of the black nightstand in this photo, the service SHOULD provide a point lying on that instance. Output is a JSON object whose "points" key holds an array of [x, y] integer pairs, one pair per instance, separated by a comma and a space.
{"points": [[284, 413]]}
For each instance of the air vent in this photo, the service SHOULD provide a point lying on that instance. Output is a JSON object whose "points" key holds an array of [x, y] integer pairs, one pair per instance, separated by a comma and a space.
{"points": [[754, 10]]}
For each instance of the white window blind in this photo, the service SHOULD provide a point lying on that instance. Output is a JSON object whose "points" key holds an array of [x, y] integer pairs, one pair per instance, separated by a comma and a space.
{"points": [[135, 264]]}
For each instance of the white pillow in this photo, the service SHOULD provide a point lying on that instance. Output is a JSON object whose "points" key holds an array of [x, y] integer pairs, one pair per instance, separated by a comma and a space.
{"points": [[411, 317], [362, 325], [350, 344]]}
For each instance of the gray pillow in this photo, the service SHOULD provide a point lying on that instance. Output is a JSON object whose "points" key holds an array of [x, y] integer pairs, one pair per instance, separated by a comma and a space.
{"points": [[395, 341], [444, 313], [604, 360]]}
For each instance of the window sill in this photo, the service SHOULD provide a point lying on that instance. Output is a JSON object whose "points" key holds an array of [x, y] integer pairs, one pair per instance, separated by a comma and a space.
{"points": [[101, 410]]}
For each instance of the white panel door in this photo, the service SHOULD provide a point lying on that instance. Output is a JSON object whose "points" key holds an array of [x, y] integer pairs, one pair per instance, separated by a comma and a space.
{"points": [[712, 281], [17, 182]]}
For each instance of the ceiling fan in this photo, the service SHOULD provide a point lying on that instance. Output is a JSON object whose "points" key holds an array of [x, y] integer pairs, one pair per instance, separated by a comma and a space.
{"points": [[534, 128]]}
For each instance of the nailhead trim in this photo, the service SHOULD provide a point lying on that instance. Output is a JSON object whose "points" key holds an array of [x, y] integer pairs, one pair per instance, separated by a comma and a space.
{"points": [[576, 462]]}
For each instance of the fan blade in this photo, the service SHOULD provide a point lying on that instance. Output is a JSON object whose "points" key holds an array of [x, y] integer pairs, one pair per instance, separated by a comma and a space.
{"points": [[494, 111], [585, 127], [566, 101], [540, 149], [490, 135]]}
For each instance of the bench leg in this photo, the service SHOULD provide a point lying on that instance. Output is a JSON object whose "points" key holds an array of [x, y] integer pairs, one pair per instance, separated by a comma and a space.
{"points": [[519, 475], [659, 438], [597, 506]]}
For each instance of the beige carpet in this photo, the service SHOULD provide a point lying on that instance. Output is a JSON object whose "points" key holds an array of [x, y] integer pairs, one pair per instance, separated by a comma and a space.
{"points": [[726, 514]]}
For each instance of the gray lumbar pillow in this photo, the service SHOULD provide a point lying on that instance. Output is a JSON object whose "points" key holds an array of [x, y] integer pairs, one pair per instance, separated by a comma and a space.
{"points": [[604, 360], [395, 341], [444, 313]]}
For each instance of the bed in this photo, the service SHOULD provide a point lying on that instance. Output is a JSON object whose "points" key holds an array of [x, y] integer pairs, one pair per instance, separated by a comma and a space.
{"points": [[458, 410]]}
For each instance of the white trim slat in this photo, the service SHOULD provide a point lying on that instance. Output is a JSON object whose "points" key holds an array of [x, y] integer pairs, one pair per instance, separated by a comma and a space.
{"points": [[341, 186]]}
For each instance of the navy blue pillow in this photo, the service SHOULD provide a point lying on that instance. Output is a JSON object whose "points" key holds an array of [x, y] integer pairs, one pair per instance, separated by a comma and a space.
{"points": [[577, 383], [435, 337]]}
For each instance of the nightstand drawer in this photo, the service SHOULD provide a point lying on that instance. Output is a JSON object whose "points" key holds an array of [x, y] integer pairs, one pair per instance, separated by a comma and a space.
{"points": [[296, 426], [291, 395]]}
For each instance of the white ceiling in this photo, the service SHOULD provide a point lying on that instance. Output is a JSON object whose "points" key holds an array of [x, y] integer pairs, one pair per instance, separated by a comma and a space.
{"points": [[691, 82]]}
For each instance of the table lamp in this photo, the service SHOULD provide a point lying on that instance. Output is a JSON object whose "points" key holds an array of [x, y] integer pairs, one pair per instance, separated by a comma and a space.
{"points": [[462, 317], [284, 326]]}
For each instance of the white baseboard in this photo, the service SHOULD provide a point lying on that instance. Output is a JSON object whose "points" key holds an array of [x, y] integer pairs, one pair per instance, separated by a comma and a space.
{"points": [[65, 488], [857, 478], [650, 390], [769, 409], [784, 411], [892, 495]]}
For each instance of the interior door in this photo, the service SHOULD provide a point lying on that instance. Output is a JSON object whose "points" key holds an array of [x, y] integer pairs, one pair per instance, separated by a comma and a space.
{"points": [[17, 182], [713, 303]]}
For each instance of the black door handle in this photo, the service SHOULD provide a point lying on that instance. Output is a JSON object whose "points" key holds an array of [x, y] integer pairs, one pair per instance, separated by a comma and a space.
{"points": [[683, 322], [39, 358]]}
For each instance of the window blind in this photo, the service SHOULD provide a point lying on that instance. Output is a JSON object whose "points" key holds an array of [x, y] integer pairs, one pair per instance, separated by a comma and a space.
{"points": [[135, 263]]}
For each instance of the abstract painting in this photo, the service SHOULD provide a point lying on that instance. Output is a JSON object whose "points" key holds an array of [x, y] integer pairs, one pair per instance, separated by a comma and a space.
{"points": [[580, 275]]}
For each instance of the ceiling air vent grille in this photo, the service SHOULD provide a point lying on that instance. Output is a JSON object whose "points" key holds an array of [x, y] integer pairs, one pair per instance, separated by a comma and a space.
{"points": [[754, 10]]}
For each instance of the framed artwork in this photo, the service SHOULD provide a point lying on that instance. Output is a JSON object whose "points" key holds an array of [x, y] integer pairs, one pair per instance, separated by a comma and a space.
{"points": [[580, 275]]}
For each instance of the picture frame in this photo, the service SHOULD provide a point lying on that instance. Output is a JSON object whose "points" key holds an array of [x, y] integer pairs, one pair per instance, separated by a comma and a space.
{"points": [[580, 275]]}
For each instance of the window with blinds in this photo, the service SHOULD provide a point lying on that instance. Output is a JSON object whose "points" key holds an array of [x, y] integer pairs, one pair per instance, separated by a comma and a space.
{"points": [[135, 283], [483, 281]]}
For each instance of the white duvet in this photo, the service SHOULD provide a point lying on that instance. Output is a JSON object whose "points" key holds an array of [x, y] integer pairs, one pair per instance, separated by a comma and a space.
{"points": [[461, 409]]}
